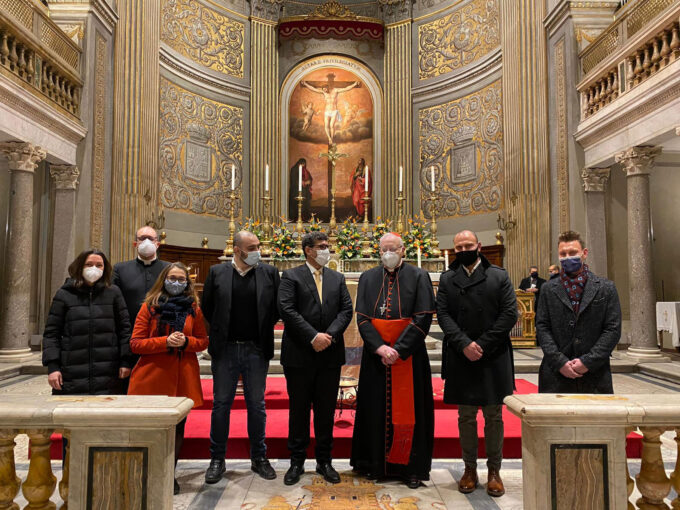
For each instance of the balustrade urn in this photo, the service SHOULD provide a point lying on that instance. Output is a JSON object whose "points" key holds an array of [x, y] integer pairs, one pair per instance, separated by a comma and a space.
{"points": [[665, 46], [65, 476], [40, 481], [675, 40], [675, 475], [9, 481], [652, 482]]}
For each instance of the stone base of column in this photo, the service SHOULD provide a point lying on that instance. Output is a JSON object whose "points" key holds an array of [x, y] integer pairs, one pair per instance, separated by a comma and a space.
{"points": [[642, 355], [14, 355]]}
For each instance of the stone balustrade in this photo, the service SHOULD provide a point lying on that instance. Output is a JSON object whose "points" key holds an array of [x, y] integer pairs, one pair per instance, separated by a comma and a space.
{"points": [[574, 450], [120, 450], [643, 40], [39, 55]]}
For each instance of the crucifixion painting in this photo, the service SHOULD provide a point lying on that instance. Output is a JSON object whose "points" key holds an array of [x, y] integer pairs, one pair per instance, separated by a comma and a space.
{"points": [[331, 144]]}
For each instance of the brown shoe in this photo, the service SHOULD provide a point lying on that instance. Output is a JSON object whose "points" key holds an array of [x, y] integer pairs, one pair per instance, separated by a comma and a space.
{"points": [[468, 483], [494, 487]]}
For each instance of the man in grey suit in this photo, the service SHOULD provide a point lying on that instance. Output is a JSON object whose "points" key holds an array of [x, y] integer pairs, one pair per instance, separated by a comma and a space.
{"points": [[578, 325]]}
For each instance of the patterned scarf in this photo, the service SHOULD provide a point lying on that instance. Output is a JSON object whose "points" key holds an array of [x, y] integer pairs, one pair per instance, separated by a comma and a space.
{"points": [[173, 313], [574, 286]]}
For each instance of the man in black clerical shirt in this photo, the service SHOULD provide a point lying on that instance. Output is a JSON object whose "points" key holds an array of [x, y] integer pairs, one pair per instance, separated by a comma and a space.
{"points": [[533, 284], [316, 308], [395, 406], [244, 290]]}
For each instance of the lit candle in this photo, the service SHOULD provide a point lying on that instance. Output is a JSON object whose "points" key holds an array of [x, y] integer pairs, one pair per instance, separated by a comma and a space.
{"points": [[266, 177], [299, 178], [419, 261], [366, 179], [432, 177], [233, 178], [446, 259], [401, 178]]}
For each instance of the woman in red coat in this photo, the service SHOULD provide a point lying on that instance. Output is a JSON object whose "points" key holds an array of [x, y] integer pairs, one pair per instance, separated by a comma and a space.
{"points": [[168, 333]]}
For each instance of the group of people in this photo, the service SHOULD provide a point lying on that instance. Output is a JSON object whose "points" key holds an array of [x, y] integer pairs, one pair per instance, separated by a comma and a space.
{"points": [[143, 319]]}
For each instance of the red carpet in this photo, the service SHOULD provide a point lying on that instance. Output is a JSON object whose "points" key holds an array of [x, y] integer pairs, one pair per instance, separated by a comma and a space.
{"points": [[446, 444]]}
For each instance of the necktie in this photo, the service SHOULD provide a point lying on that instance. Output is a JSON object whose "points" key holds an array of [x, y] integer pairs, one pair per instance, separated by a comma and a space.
{"points": [[317, 280]]}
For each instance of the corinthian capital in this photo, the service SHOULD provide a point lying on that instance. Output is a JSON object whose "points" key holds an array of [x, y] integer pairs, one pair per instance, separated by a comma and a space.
{"points": [[65, 176], [22, 156], [266, 9], [595, 179], [638, 160]]}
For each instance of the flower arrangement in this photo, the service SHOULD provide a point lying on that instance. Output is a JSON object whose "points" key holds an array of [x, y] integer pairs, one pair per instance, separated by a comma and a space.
{"points": [[380, 228], [283, 244], [254, 226], [314, 225], [349, 240], [417, 236]]}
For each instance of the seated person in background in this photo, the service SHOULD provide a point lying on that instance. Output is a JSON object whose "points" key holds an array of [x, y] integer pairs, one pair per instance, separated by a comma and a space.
{"points": [[554, 271]]}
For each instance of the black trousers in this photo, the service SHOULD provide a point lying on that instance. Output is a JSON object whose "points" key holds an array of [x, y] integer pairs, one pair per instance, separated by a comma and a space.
{"points": [[311, 388]]}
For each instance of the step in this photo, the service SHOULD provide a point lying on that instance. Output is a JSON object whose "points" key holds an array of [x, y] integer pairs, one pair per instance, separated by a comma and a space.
{"points": [[275, 367]]}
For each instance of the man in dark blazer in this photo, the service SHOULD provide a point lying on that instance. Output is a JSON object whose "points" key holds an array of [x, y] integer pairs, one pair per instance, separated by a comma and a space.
{"points": [[532, 283], [578, 325], [477, 309], [240, 304], [316, 308]]}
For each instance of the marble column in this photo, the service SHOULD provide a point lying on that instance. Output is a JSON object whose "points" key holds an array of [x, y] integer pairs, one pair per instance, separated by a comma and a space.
{"points": [[637, 163], [66, 182], [594, 184], [14, 317]]}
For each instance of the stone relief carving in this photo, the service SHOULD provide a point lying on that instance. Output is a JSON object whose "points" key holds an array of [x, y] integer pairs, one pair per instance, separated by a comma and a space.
{"points": [[458, 39], [200, 139], [98, 172], [203, 35], [394, 11], [266, 9], [463, 141]]}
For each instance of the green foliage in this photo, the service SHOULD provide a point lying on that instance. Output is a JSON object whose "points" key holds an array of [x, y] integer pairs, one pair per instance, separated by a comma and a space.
{"points": [[349, 240], [416, 236], [283, 244]]}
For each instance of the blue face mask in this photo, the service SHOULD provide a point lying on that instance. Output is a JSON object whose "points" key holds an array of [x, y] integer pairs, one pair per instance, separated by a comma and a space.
{"points": [[175, 288], [571, 264]]}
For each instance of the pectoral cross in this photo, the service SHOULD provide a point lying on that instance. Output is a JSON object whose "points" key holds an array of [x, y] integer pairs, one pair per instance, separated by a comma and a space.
{"points": [[383, 309]]}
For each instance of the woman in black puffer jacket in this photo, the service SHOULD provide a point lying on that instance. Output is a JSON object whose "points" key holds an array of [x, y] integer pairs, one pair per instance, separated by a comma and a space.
{"points": [[86, 340]]}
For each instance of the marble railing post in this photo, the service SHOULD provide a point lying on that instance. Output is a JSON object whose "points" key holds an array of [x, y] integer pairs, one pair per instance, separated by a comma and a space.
{"points": [[652, 481], [637, 163], [9, 481], [40, 481], [14, 316], [594, 184], [66, 182]]}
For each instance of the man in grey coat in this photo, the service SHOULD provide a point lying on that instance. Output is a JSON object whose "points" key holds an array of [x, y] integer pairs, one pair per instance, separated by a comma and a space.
{"points": [[578, 325]]}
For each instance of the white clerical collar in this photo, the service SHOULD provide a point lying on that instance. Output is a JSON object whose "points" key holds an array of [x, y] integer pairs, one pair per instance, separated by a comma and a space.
{"points": [[469, 273], [239, 270], [147, 262]]}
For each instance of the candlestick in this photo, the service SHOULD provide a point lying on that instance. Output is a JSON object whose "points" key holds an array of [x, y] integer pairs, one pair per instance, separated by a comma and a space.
{"points": [[367, 250], [233, 177], [401, 179], [299, 178], [400, 212], [366, 179], [446, 259], [432, 177], [420, 264], [266, 177], [299, 228], [229, 249], [267, 227], [434, 242]]}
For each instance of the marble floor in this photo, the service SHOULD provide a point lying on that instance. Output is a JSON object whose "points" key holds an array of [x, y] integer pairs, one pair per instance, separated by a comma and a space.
{"points": [[240, 489]]}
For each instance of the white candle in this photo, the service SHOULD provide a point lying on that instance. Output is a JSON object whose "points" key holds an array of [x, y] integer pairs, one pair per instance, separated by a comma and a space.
{"points": [[401, 178], [432, 177], [299, 178], [266, 177], [446, 259], [233, 178], [419, 261], [366, 179]]}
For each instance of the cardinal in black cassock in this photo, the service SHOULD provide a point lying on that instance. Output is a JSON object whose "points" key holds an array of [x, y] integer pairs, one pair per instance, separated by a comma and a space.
{"points": [[394, 425]]}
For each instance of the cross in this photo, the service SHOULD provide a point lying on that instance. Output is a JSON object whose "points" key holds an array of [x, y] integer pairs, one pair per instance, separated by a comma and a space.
{"points": [[332, 156], [330, 82], [383, 309]]}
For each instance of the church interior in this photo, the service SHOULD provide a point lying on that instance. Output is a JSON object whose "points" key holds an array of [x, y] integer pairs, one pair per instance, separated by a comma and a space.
{"points": [[515, 119]]}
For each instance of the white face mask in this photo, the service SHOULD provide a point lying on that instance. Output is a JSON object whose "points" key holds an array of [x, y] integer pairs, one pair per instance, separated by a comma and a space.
{"points": [[146, 248], [252, 258], [322, 257], [92, 274], [390, 259]]}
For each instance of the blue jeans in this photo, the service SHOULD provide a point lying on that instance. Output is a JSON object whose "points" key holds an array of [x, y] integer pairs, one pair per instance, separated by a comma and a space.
{"points": [[244, 359]]}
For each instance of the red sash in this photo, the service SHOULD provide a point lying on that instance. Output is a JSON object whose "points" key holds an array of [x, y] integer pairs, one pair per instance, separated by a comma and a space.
{"points": [[403, 407]]}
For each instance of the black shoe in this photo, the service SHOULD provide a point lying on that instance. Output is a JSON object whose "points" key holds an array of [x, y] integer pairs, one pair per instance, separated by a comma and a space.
{"points": [[263, 468], [214, 472], [175, 489], [294, 472], [329, 474], [371, 476], [412, 482]]}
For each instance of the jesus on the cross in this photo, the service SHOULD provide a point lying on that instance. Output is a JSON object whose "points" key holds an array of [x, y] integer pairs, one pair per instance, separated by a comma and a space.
{"points": [[330, 94]]}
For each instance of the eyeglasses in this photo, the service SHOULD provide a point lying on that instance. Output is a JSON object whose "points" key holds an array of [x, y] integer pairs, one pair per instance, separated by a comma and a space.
{"points": [[321, 247], [145, 238], [175, 279]]}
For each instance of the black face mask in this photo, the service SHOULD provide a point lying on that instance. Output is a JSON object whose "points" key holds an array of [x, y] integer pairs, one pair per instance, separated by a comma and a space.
{"points": [[534, 274], [467, 258]]}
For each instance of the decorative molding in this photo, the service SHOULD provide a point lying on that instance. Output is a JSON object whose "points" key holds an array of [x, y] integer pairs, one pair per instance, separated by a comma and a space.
{"points": [[562, 169], [65, 176], [204, 36], [395, 11], [200, 140], [22, 156], [97, 196], [102, 9], [458, 39], [331, 9], [266, 10], [595, 179], [637, 160], [463, 140]]}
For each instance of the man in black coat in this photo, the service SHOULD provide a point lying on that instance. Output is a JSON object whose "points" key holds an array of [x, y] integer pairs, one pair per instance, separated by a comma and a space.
{"points": [[316, 308], [240, 303], [533, 284], [477, 309], [578, 325]]}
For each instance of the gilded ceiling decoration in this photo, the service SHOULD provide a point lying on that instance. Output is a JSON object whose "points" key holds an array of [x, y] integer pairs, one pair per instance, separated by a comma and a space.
{"points": [[458, 39], [463, 141], [200, 140], [203, 35]]}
